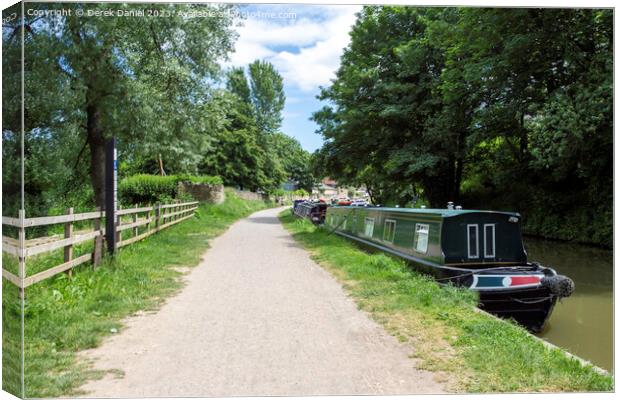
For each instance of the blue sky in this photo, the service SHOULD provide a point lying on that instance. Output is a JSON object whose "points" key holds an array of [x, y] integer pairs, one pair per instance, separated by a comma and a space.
{"points": [[305, 48]]}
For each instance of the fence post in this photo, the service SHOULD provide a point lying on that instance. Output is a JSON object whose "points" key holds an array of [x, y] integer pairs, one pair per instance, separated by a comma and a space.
{"points": [[119, 234], [135, 219], [22, 253], [150, 220], [69, 247], [98, 241], [157, 211]]}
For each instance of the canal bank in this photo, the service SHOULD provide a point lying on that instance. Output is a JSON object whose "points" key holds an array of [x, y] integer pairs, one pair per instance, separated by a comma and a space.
{"points": [[475, 352]]}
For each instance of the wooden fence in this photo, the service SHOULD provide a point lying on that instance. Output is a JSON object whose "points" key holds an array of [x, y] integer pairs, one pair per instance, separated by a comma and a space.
{"points": [[129, 221]]}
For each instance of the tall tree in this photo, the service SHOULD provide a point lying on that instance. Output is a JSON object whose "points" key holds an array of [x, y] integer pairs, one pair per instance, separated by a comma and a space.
{"points": [[388, 124], [140, 79], [502, 108], [237, 83], [267, 95], [261, 95], [235, 155]]}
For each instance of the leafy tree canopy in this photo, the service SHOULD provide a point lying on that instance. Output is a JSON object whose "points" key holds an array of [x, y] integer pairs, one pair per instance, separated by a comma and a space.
{"points": [[496, 108]]}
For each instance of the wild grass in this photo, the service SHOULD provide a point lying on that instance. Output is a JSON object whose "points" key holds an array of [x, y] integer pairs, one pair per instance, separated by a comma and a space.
{"points": [[65, 315], [472, 352]]}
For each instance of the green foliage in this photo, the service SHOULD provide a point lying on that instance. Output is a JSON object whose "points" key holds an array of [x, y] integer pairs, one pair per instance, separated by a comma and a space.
{"points": [[278, 193], [150, 189], [481, 353], [67, 315], [487, 107], [157, 90], [294, 159], [389, 129], [300, 193], [267, 95], [551, 129], [11, 339], [149, 89], [237, 154], [247, 150], [147, 189], [204, 179]]}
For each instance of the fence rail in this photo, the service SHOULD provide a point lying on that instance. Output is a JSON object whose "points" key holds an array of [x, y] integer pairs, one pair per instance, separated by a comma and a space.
{"points": [[150, 219]]}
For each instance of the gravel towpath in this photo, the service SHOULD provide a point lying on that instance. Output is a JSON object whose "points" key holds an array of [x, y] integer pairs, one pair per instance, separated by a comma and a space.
{"points": [[257, 317]]}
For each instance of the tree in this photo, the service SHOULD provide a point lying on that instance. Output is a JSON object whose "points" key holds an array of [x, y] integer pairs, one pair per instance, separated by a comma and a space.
{"points": [[388, 124], [235, 155], [497, 108], [140, 79], [260, 95], [294, 159], [267, 95], [237, 84]]}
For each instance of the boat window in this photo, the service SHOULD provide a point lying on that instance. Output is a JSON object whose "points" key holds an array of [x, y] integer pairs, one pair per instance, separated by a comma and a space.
{"points": [[489, 240], [389, 229], [369, 226], [472, 241], [420, 239]]}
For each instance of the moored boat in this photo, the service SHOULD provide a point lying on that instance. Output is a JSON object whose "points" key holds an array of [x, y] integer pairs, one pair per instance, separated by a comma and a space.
{"points": [[314, 211], [480, 250]]}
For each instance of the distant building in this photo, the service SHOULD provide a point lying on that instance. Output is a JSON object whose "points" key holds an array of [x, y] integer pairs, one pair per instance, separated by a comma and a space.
{"points": [[323, 190], [329, 188]]}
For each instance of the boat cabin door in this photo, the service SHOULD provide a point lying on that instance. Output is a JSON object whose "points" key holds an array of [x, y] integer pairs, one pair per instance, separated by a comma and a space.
{"points": [[481, 241]]}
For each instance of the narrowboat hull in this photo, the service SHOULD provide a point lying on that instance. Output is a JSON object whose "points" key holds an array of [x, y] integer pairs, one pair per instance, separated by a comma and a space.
{"points": [[530, 305]]}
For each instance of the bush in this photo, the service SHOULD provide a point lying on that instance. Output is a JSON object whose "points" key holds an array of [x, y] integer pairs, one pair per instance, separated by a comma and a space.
{"points": [[150, 189], [205, 179], [301, 193]]}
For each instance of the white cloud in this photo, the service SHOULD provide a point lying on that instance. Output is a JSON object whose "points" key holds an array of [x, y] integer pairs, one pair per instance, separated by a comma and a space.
{"points": [[247, 51], [289, 114], [317, 44], [294, 100]]}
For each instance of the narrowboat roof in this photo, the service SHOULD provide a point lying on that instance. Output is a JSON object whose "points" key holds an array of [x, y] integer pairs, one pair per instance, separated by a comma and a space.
{"points": [[443, 212]]}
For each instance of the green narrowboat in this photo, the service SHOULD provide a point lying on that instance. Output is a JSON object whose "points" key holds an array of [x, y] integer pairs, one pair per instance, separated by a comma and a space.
{"points": [[481, 250]]}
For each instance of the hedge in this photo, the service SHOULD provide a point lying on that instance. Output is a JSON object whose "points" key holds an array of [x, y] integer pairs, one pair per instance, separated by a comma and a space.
{"points": [[150, 189]]}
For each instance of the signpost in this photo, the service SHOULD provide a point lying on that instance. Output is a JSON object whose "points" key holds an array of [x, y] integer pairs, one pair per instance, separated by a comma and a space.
{"points": [[111, 174]]}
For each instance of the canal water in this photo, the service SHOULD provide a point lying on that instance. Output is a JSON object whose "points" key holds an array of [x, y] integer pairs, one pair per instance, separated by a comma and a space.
{"points": [[582, 323]]}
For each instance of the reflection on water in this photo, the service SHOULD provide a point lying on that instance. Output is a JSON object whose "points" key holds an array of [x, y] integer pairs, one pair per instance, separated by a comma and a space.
{"points": [[582, 323]]}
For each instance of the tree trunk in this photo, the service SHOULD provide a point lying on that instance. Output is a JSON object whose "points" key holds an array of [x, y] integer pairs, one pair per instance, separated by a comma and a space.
{"points": [[458, 174], [523, 140], [96, 143], [371, 194], [458, 177]]}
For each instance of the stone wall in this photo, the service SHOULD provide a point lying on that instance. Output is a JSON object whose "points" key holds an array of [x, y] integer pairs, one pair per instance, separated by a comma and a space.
{"points": [[203, 192], [244, 194]]}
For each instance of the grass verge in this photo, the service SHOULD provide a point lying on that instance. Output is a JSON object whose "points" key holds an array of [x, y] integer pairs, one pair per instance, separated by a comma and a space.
{"points": [[66, 315], [470, 351]]}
